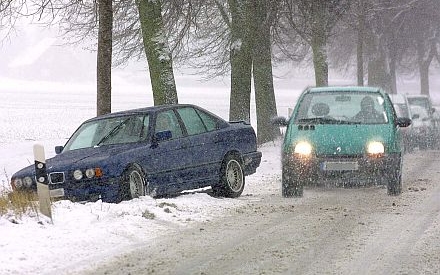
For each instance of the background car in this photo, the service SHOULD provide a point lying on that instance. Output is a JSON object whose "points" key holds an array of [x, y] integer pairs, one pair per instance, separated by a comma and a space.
{"points": [[436, 120], [156, 151], [401, 106], [336, 135], [423, 134], [422, 101]]}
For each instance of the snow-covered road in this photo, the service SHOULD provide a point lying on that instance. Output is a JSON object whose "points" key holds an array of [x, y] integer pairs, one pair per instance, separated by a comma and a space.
{"points": [[329, 231]]}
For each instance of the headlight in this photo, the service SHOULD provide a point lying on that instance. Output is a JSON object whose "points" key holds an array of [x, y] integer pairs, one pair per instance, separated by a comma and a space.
{"points": [[375, 148], [17, 183], [77, 174], [303, 148], [90, 173], [27, 181]]}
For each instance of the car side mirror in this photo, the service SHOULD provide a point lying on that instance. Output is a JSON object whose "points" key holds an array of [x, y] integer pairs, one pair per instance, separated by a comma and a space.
{"points": [[58, 149], [161, 136], [279, 121], [403, 122]]}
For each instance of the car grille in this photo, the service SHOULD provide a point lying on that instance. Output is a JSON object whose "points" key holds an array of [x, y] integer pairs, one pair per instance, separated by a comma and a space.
{"points": [[56, 177]]}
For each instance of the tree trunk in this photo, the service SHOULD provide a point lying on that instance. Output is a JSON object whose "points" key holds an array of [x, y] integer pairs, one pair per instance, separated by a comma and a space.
{"points": [[319, 44], [378, 74], [104, 58], [360, 45], [320, 60], [241, 62], [424, 58], [424, 79], [157, 52], [392, 52], [263, 78]]}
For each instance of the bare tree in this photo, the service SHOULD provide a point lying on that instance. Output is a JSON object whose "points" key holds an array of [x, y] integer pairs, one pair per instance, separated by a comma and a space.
{"points": [[314, 21], [241, 60], [104, 60], [157, 52], [264, 13], [422, 33]]}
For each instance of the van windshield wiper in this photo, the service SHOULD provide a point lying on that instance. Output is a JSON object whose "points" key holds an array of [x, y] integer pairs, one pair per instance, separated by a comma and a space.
{"points": [[320, 120], [326, 120]]}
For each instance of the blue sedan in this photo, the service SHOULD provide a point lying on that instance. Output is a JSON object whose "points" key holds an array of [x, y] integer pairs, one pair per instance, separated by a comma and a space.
{"points": [[153, 151]]}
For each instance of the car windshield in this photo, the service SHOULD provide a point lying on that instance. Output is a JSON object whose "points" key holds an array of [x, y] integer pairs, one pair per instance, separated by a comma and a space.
{"points": [[401, 110], [419, 101], [115, 130], [342, 108]]}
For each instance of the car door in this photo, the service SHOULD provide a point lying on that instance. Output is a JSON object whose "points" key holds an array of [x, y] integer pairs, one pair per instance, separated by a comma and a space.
{"points": [[205, 153], [170, 159]]}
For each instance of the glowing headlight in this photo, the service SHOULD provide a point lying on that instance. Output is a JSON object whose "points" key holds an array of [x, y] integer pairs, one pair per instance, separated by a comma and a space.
{"points": [[90, 173], [77, 174], [303, 148], [375, 147], [27, 181]]}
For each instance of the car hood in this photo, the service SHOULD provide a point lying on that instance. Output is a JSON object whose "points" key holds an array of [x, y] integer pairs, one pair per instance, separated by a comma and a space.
{"points": [[77, 158], [331, 139]]}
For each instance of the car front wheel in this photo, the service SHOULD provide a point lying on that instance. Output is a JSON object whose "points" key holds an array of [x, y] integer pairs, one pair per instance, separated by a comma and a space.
{"points": [[291, 186], [132, 184], [394, 186], [231, 178]]}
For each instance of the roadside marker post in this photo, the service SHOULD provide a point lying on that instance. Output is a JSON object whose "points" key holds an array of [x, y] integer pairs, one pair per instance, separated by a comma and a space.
{"points": [[42, 181]]}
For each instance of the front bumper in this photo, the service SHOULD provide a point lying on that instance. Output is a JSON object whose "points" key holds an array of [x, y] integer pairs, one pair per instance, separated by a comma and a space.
{"points": [[349, 168], [88, 190]]}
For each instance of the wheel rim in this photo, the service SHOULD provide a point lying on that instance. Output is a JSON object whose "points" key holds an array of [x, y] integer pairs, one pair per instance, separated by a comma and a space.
{"points": [[136, 184], [234, 175]]}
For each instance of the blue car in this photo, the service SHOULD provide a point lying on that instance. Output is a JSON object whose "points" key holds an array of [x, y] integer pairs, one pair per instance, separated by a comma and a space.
{"points": [[154, 151]]}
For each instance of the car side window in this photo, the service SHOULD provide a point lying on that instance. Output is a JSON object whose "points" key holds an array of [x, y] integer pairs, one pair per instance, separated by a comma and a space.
{"points": [[193, 123], [211, 123], [167, 121]]}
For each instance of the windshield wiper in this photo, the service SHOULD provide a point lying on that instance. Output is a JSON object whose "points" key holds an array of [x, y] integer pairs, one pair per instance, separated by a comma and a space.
{"points": [[320, 120], [112, 132], [326, 120], [339, 121]]}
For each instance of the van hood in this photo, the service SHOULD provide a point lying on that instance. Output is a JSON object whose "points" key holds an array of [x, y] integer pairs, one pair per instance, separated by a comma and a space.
{"points": [[335, 139]]}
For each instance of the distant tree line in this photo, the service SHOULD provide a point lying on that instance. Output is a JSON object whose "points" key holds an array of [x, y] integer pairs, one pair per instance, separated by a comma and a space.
{"points": [[376, 39]]}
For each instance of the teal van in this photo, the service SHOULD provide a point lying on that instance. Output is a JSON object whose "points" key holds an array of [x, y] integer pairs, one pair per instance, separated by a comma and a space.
{"points": [[344, 135]]}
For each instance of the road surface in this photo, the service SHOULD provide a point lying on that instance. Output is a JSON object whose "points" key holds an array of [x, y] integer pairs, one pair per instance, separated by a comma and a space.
{"points": [[328, 231]]}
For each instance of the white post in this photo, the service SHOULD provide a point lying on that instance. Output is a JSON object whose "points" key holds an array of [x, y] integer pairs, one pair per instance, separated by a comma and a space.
{"points": [[42, 181]]}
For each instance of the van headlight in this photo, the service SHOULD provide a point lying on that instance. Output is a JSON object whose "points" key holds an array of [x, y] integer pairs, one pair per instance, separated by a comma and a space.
{"points": [[375, 148], [303, 148]]}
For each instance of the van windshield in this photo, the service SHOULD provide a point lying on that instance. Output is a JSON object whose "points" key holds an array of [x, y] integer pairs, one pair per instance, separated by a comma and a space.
{"points": [[341, 108]]}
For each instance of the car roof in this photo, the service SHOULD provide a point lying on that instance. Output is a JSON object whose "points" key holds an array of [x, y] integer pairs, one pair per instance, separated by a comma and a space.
{"points": [[363, 89], [418, 96], [150, 109], [398, 98], [418, 110]]}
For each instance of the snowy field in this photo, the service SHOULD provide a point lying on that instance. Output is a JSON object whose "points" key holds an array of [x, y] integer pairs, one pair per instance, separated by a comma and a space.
{"points": [[47, 113]]}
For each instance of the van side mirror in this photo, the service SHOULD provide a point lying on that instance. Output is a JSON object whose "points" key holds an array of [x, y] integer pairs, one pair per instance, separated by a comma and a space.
{"points": [[403, 122]]}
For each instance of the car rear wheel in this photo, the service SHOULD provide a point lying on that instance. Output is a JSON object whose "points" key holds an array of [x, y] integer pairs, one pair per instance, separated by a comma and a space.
{"points": [[132, 184], [231, 178], [394, 187], [291, 186]]}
